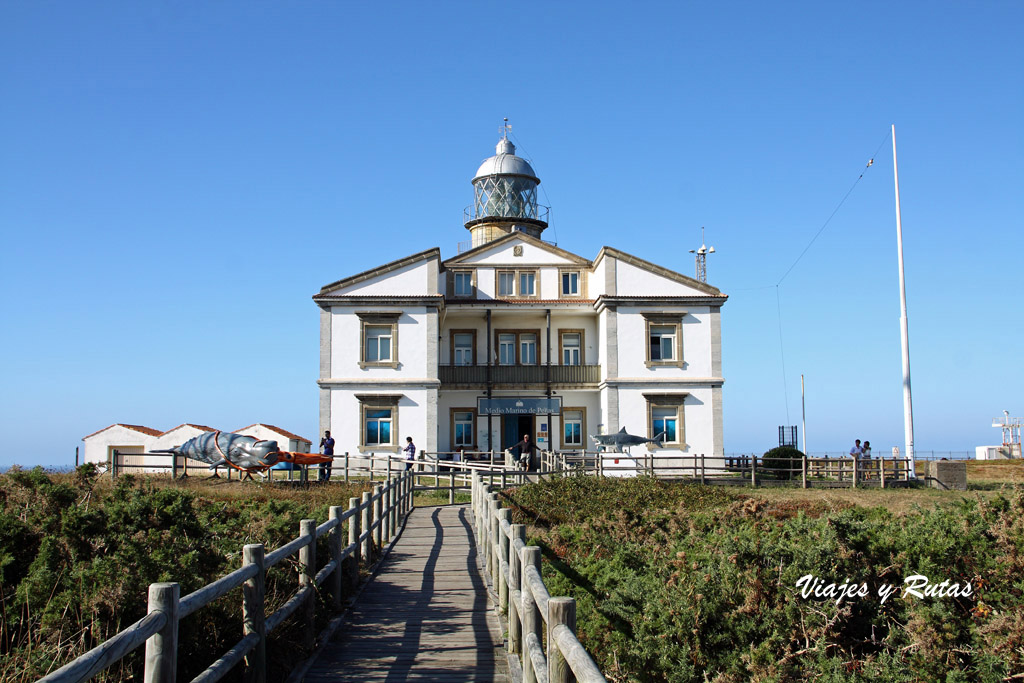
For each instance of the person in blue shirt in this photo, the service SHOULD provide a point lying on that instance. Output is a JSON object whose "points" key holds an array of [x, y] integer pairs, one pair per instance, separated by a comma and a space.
{"points": [[327, 448], [410, 452]]}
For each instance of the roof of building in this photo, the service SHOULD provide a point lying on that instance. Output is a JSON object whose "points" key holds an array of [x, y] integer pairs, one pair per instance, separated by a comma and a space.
{"points": [[656, 269], [380, 270], [202, 428], [137, 428], [282, 432], [558, 251]]}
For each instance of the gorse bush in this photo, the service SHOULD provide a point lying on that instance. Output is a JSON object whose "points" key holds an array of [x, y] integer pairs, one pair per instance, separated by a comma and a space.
{"points": [[679, 582], [77, 556]]}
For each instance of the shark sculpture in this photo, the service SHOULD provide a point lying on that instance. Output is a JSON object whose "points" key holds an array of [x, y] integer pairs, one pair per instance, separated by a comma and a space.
{"points": [[621, 439]]}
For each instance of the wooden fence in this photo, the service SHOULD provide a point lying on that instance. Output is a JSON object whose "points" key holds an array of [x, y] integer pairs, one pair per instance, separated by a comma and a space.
{"points": [[514, 568], [372, 521], [804, 472]]}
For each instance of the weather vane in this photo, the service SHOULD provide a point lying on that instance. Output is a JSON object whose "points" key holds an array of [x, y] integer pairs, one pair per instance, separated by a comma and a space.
{"points": [[506, 128]]}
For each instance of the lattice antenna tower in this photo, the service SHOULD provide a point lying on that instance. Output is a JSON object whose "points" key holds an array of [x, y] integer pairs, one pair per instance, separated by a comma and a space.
{"points": [[1011, 432], [701, 257]]}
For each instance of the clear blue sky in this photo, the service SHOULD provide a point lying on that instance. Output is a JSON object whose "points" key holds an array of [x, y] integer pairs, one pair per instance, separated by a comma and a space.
{"points": [[178, 179]]}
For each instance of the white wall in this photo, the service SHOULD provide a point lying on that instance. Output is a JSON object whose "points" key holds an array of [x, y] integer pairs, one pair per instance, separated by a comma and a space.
{"points": [[503, 255], [698, 418], [412, 343], [411, 280], [412, 417], [97, 447], [284, 443], [633, 344], [633, 281]]}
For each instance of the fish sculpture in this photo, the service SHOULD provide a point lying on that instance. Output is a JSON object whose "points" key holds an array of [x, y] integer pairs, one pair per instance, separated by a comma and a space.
{"points": [[621, 439], [227, 448]]}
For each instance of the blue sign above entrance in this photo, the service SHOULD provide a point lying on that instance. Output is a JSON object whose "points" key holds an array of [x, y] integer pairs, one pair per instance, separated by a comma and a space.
{"points": [[519, 406]]}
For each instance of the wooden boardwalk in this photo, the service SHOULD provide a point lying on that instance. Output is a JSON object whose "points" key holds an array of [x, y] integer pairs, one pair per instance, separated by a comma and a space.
{"points": [[425, 617]]}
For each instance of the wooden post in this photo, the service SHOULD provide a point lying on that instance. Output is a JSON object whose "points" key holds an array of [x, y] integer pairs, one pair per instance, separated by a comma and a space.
{"points": [[113, 464], [702, 469], [174, 464], [531, 614], [346, 467], [492, 523], [515, 583], [503, 514], [334, 547], [753, 470], [803, 471], [451, 491], [394, 500], [385, 512], [881, 472], [354, 532], [377, 523], [162, 646], [560, 611], [307, 564], [253, 613], [365, 524]]}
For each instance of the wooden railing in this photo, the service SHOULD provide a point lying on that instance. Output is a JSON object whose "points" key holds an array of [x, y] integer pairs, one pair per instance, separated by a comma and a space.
{"points": [[514, 570], [743, 469], [520, 374], [372, 521]]}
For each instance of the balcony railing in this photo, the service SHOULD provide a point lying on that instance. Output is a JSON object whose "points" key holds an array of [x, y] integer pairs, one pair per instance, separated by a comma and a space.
{"points": [[520, 374]]}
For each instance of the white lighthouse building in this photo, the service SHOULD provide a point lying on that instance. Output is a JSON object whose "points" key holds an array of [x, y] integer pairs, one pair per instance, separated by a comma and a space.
{"points": [[515, 336]]}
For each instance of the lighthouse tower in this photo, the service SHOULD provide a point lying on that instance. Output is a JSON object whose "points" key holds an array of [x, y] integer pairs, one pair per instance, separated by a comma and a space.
{"points": [[505, 197]]}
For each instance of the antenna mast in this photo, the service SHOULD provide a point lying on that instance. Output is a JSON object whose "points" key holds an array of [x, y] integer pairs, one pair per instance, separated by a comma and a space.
{"points": [[701, 257]]}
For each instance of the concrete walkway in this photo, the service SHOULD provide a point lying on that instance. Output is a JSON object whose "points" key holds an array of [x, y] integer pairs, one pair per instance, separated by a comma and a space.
{"points": [[426, 616]]}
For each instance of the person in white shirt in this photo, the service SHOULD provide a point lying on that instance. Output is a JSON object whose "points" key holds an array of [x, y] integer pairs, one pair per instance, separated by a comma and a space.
{"points": [[857, 451]]}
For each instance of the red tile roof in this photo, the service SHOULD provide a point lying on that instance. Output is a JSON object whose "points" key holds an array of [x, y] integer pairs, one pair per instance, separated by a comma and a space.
{"points": [[282, 432], [138, 428]]}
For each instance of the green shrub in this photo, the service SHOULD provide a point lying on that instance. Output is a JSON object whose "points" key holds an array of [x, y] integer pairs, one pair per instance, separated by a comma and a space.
{"points": [[783, 459]]}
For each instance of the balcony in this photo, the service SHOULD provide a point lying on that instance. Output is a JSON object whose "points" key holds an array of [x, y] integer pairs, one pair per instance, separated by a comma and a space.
{"points": [[520, 375]]}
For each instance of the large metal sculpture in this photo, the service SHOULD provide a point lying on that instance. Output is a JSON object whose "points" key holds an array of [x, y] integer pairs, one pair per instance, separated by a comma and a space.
{"points": [[621, 439], [244, 453]]}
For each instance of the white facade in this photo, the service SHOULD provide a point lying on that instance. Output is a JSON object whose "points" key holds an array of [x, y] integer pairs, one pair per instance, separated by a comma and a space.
{"points": [[425, 347]]}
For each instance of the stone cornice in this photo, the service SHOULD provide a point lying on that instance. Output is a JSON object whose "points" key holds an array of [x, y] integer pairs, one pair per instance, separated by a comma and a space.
{"points": [[613, 302], [432, 301], [414, 382], [675, 382]]}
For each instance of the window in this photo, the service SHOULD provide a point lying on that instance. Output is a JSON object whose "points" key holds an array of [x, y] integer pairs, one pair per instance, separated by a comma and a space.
{"points": [[378, 418], [463, 283], [663, 342], [527, 284], [378, 343], [666, 421], [506, 349], [463, 427], [528, 349], [378, 427], [573, 421], [664, 339], [517, 348], [506, 283], [463, 344], [571, 342], [665, 417], [570, 283], [517, 283]]}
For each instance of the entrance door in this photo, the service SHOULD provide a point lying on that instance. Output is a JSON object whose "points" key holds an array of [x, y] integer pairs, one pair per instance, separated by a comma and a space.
{"points": [[513, 427]]}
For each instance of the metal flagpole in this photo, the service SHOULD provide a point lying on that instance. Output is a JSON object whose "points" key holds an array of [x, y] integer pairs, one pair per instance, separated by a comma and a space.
{"points": [[908, 411], [803, 412]]}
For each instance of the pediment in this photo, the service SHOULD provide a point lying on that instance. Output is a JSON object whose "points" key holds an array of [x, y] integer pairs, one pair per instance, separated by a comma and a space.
{"points": [[516, 249]]}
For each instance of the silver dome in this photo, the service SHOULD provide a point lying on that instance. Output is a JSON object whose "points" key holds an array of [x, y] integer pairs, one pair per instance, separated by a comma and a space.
{"points": [[505, 162]]}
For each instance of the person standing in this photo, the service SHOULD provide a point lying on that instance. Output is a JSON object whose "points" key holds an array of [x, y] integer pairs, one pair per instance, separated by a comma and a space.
{"points": [[865, 450], [526, 449], [856, 451], [410, 453], [327, 448]]}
